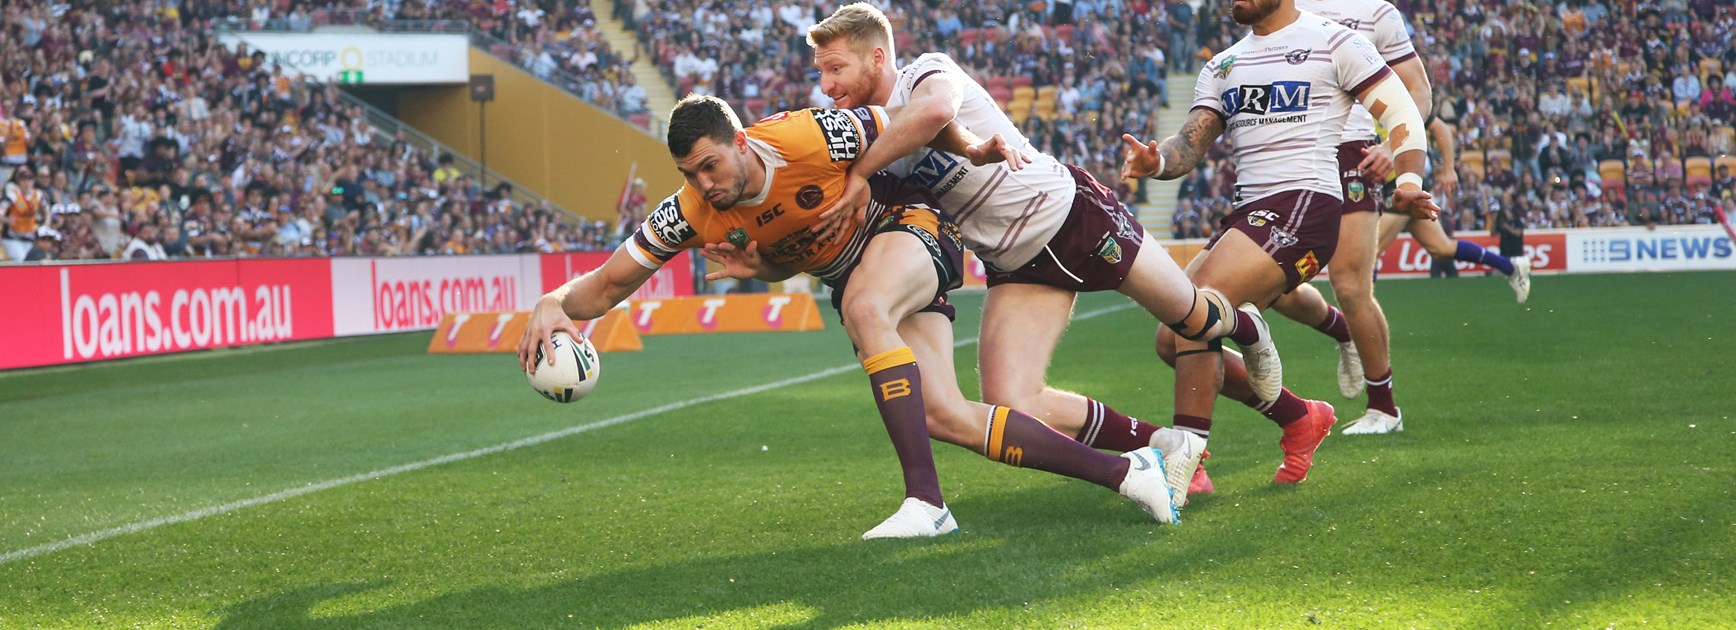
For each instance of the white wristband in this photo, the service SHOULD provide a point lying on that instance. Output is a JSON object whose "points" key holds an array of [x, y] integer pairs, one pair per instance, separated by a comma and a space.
{"points": [[1410, 178], [1161, 164]]}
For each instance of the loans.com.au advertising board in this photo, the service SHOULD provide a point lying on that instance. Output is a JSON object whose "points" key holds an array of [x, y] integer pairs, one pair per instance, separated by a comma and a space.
{"points": [[77, 313]]}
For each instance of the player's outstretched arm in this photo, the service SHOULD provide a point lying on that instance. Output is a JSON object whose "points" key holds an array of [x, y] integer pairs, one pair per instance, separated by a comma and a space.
{"points": [[1177, 155], [1392, 105], [586, 297]]}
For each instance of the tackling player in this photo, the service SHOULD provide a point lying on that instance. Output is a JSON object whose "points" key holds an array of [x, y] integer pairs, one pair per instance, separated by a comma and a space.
{"points": [[890, 275], [1046, 232], [1281, 96]]}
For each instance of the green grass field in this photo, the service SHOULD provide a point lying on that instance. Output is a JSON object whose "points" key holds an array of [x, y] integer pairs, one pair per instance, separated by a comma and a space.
{"points": [[1568, 463]]}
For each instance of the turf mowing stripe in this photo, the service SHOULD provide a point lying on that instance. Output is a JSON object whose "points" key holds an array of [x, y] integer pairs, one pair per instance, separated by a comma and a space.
{"points": [[133, 528]]}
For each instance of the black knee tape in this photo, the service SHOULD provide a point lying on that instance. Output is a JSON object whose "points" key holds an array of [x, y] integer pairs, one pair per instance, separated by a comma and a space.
{"points": [[1216, 344], [1213, 316]]}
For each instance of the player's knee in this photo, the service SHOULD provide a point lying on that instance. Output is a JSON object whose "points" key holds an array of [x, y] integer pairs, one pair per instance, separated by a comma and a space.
{"points": [[1009, 395], [950, 420], [1210, 308], [1166, 341], [865, 313], [1353, 290]]}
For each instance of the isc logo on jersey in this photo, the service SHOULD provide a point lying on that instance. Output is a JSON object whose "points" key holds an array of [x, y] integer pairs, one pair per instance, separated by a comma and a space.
{"points": [[1277, 97]]}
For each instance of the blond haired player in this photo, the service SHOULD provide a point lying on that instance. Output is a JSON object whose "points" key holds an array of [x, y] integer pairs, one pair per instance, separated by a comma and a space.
{"points": [[1281, 96], [1046, 232], [752, 200]]}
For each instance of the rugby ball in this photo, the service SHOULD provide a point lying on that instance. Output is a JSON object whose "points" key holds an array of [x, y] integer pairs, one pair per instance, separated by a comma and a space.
{"points": [[574, 372]]}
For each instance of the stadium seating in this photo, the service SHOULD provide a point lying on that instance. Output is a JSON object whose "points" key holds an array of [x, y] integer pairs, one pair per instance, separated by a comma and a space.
{"points": [[1699, 173], [313, 179]]}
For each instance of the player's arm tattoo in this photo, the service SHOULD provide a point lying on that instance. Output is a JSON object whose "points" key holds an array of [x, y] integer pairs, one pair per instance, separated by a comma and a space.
{"points": [[1184, 150]]}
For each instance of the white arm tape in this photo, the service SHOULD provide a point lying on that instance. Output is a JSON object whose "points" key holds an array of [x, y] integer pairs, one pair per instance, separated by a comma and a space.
{"points": [[1409, 178], [1400, 110]]}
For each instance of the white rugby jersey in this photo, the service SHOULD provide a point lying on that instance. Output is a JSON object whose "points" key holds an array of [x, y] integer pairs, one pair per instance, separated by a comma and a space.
{"points": [[1005, 216], [1382, 24], [1284, 98]]}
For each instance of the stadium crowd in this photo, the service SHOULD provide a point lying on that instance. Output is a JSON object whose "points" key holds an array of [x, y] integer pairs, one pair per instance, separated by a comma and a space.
{"points": [[1578, 113], [128, 131], [1566, 114], [1074, 75]]}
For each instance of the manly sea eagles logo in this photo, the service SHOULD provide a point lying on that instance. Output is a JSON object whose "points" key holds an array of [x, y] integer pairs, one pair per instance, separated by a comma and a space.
{"points": [[1297, 57]]}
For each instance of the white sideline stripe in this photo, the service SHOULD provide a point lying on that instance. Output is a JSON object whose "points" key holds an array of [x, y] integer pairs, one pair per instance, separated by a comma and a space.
{"points": [[215, 510]]}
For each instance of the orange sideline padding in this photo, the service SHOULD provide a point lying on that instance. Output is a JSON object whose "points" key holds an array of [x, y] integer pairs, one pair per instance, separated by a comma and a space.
{"points": [[465, 333], [753, 312]]}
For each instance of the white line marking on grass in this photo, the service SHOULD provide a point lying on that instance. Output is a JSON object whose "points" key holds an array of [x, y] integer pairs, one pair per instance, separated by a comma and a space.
{"points": [[133, 528]]}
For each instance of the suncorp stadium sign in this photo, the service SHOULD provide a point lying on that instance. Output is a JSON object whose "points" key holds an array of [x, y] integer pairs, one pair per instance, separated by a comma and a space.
{"points": [[364, 58]]}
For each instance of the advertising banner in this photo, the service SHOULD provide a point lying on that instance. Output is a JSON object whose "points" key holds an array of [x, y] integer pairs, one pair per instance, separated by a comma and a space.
{"points": [[375, 295], [1667, 248], [675, 279], [747, 312], [1406, 258], [77, 313], [364, 58], [466, 333]]}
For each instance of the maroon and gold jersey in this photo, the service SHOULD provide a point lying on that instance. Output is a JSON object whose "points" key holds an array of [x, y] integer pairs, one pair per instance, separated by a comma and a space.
{"points": [[806, 154]]}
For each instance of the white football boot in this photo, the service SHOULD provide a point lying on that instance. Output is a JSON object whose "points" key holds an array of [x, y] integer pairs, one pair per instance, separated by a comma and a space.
{"points": [[1521, 278], [1182, 452], [1147, 486], [915, 519], [1350, 376], [1265, 371], [1375, 422]]}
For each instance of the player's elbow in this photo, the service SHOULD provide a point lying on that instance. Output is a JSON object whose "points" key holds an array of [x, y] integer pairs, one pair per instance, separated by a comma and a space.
{"points": [[934, 113]]}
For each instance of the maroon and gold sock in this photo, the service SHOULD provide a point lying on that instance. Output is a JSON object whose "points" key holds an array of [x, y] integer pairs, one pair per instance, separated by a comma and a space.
{"points": [[1286, 409], [1107, 428], [1380, 393], [1335, 325], [1018, 440], [898, 393]]}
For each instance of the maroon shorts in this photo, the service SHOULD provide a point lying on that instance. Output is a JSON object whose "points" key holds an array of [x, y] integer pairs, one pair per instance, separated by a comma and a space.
{"points": [[1093, 250], [1298, 229], [1360, 193]]}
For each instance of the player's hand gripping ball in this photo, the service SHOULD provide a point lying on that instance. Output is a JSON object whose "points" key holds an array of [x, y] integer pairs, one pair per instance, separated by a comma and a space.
{"points": [[574, 372]]}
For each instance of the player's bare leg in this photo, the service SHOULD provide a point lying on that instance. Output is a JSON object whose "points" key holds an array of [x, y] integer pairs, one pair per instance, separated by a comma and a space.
{"points": [[1242, 271], [1014, 438], [894, 279], [1023, 322], [1353, 282], [1433, 238], [1021, 325], [1306, 305]]}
